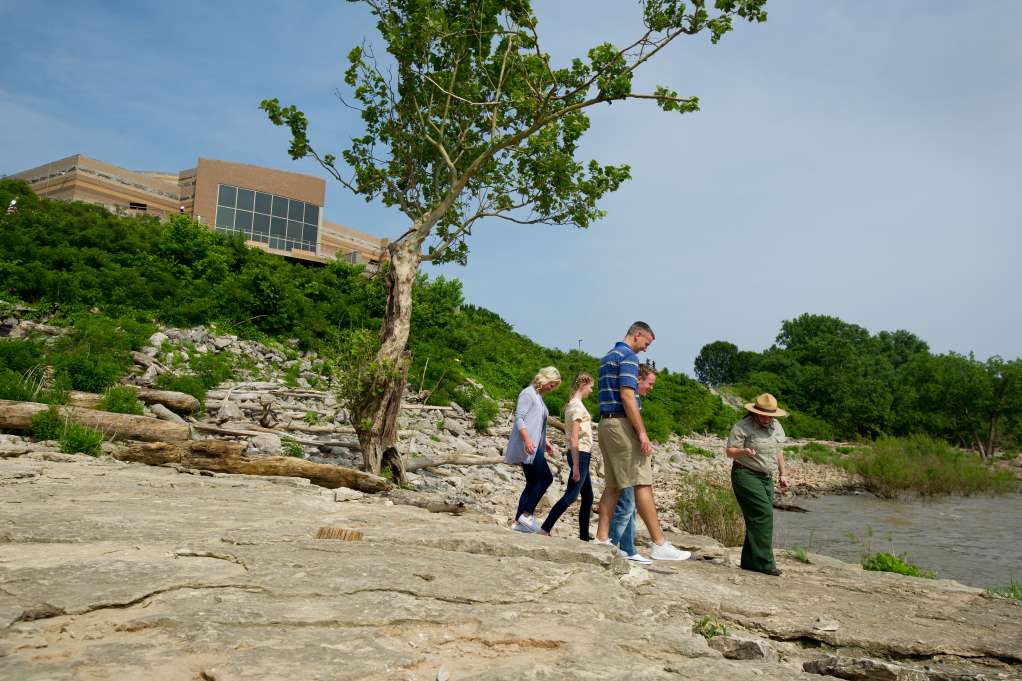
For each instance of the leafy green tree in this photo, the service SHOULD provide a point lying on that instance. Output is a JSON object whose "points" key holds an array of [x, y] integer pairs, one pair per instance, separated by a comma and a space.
{"points": [[717, 363], [466, 119]]}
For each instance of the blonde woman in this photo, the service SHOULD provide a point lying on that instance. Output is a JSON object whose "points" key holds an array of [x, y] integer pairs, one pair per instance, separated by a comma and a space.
{"points": [[579, 426], [528, 443]]}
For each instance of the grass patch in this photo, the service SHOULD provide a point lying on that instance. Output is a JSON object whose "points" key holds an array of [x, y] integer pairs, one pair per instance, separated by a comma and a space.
{"points": [[708, 627], [711, 511], [929, 467], [1013, 591], [291, 447], [800, 554], [121, 399], [888, 562], [72, 437], [291, 376], [696, 451]]}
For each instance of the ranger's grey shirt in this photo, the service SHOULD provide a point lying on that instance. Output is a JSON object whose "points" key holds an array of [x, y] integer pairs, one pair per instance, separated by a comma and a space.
{"points": [[768, 443]]}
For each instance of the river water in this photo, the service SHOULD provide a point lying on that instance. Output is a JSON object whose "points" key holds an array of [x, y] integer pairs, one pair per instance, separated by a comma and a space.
{"points": [[974, 540]]}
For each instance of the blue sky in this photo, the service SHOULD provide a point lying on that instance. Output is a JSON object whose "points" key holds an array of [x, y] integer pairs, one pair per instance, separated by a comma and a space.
{"points": [[858, 159]]}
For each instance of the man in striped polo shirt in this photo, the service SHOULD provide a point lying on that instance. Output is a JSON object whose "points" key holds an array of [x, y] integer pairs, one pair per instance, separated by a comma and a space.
{"points": [[623, 441]]}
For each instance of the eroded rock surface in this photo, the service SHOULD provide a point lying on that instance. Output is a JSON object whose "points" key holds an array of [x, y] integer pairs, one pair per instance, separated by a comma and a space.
{"points": [[121, 571]]}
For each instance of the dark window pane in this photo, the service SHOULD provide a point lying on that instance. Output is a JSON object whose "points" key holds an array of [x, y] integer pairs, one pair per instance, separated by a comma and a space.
{"points": [[279, 206], [225, 217], [227, 195], [311, 214], [309, 234], [294, 230], [262, 202], [263, 238], [245, 199], [243, 220], [261, 224], [296, 211], [278, 227], [276, 243]]}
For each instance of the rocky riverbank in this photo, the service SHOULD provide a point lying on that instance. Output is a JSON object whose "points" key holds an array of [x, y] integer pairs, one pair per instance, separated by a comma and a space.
{"points": [[115, 570], [112, 570]]}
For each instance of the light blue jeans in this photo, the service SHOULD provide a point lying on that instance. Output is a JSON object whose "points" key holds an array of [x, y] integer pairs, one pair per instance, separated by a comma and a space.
{"points": [[622, 523]]}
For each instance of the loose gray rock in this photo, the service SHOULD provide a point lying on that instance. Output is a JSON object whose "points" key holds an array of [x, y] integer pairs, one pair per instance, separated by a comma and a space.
{"points": [[161, 412], [266, 443], [734, 648]]}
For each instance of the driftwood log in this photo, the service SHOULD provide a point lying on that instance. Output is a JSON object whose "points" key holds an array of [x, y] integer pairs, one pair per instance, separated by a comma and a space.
{"points": [[182, 403], [452, 460], [18, 416], [222, 456]]}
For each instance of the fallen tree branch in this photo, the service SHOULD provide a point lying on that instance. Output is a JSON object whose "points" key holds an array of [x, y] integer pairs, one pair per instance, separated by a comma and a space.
{"points": [[452, 460], [18, 416], [182, 403], [229, 457]]}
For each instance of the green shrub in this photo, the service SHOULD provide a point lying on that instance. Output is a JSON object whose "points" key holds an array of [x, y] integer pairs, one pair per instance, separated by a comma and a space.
{"points": [[484, 411], [311, 418], [122, 399], [708, 627], [84, 370], [77, 438], [886, 562], [798, 553], [212, 368], [20, 356], [72, 437], [711, 511], [48, 425], [1013, 591], [696, 451], [192, 385], [291, 376], [292, 447], [926, 466]]}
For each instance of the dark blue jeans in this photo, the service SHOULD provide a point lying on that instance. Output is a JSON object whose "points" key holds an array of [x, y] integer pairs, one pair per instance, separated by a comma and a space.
{"points": [[583, 485], [537, 478]]}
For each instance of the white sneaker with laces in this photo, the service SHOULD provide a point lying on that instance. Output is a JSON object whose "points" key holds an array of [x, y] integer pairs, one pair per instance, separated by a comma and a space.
{"points": [[622, 553], [667, 551], [529, 521], [602, 542], [518, 527], [638, 558]]}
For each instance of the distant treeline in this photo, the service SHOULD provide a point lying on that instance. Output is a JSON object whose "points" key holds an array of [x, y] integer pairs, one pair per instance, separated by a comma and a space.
{"points": [[72, 258], [888, 383]]}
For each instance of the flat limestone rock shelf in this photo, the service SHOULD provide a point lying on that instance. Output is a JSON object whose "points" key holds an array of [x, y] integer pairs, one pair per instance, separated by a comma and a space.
{"points": [[112, 570]]}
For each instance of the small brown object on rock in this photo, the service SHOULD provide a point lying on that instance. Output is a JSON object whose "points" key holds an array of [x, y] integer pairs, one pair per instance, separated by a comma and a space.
{"points": [[338, 533]]}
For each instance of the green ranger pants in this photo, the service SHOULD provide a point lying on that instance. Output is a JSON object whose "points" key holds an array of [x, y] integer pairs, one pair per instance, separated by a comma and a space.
{"points": [[755, 494]]}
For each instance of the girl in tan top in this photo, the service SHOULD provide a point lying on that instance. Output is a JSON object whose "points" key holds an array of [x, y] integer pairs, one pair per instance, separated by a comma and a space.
{"points": [[579, 427]]}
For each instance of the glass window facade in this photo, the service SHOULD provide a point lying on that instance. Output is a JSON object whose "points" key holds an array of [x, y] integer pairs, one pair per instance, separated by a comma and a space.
{"points": [[276, 221]]}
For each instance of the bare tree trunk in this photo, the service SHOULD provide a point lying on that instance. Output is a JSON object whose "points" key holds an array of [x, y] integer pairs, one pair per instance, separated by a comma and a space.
{"points": [[375, 417]]}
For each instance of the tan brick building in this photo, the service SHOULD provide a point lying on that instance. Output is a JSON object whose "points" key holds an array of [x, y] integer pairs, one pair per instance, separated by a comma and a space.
{"points": [[278, 211]]}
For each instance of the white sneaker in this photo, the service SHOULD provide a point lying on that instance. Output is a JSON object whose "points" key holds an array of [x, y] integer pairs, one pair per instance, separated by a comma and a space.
{"points": [[666, 551], [639, 558], [518, 527], [529, 521], [622, 553], [602, 542]]}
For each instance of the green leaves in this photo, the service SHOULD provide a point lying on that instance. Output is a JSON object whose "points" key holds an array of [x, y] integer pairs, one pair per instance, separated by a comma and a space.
{"points": [[465, 118]]}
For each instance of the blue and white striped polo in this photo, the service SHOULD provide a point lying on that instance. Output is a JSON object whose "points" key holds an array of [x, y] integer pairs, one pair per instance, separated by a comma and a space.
{"points": [[619, 368]]}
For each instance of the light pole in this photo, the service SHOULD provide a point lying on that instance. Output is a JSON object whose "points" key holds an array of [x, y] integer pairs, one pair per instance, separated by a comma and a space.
{"points": [[580, 345]]}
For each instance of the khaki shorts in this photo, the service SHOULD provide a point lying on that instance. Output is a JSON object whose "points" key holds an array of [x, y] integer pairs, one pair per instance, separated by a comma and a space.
{"points": [[624, 464]]}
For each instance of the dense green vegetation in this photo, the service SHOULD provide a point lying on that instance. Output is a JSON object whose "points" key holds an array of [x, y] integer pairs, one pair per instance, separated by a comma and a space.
{"points": [[1012, 591], [110, 278], [842, 381], [929, 467]]}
